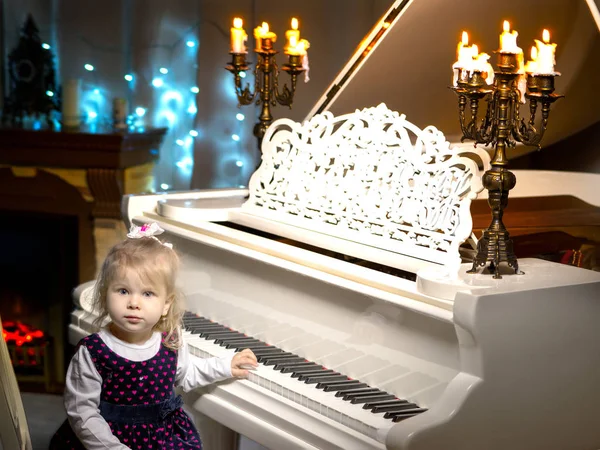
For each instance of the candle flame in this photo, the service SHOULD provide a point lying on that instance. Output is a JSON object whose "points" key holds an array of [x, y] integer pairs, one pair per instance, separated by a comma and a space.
{"points": [[265, 27], [237, 22], [465, 38], [546, 36], [534, 54], [506, 26], [294, 23]]}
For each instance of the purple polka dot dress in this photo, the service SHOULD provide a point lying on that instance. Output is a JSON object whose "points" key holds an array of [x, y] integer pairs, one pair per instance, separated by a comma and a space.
{"points": [[137, 401]]}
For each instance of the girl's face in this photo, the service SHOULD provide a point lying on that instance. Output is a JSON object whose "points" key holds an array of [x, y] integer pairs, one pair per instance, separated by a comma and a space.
{"points": [[135, 306]]}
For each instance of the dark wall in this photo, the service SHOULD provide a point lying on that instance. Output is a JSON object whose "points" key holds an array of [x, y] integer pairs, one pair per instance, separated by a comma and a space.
{"points": [[578, 153]]}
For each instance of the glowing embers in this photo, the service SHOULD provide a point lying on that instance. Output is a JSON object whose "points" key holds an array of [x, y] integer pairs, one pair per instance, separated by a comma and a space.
{"points": [[20, 333]]}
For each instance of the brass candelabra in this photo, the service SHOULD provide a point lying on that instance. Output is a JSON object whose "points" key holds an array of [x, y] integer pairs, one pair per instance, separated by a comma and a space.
{"points": [[266, 82], [501, 127]]}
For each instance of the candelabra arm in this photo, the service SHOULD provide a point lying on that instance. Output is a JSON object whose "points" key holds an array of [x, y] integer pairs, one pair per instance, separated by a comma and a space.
{"points": [[294, 68], [244, 95], [237, 66], [526, 132], [486, 130]]}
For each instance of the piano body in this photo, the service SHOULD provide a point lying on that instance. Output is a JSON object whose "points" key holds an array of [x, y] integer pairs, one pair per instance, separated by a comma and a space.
{"points": [[357, 314]]}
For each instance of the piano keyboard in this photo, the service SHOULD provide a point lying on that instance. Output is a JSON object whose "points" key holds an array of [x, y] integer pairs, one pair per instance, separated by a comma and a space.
{"points": [[350, 402]]}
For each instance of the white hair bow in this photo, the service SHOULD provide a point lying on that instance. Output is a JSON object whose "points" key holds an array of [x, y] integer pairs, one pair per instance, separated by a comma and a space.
{"points": [[147, 230]]}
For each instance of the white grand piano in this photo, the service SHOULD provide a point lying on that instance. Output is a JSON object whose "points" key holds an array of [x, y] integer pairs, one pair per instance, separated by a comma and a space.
{"points": [[341, 267]]}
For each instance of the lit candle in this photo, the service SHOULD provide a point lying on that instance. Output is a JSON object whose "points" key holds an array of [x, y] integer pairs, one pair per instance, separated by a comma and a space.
{"points": [[261, 33], [481, 64], [238, 37], [545, 60], [465, 53], [531, 66], [299, 48], [293, 35], [508, 40]]}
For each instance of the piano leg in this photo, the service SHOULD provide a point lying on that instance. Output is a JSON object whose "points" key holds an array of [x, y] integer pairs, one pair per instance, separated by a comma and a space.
{"points": [[214, 435]]}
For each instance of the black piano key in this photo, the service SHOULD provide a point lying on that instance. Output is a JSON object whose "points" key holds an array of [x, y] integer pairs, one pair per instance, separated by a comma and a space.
{"points": [[341, 387], [371, 398], [280, 356], [253, 347], [196, 322], [322, 383], [203, 333], [403, 406], [218, 332], [346, 382], [240, 343], [319, 374], [283, 361], [398, 417], [357, 391], [270, 350], [366, 393], [206, 330], [300, 368], [226, 338], [309, 369], [380, 402], [263, 358], [223, 336], [207, 325], [317, 379], [286, 367]]}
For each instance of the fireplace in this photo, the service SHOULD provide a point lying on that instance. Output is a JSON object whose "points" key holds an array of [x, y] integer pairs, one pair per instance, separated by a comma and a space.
{"points": [[60, 196], [39, 268]]}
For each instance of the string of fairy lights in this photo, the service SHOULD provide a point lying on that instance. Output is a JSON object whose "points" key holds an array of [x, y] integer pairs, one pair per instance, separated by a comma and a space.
{"points": [[174, 106]]}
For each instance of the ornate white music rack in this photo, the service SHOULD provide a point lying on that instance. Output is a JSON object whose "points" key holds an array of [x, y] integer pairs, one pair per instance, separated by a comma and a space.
{"points": [[369, 177]]}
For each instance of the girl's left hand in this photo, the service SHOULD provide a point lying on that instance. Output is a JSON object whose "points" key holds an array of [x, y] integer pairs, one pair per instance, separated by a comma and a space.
{"points": [[242, 361]]}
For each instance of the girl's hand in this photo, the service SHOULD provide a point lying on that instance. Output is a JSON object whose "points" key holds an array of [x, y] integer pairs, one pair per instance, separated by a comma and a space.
{"points": [[241, 362]]}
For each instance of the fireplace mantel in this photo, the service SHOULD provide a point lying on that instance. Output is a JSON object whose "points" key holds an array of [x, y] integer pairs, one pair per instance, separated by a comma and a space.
{"points": [[79, 149], [101, 166]]}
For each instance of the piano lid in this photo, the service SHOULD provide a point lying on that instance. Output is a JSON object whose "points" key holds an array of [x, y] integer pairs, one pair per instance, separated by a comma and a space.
{"points": [[407, 64]]}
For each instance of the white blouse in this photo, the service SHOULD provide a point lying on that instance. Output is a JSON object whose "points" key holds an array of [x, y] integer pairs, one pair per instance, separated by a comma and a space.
{"points": [[84, 384]]}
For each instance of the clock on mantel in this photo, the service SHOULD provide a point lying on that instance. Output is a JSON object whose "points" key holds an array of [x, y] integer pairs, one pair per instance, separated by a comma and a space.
{"points": [[32, 79]]}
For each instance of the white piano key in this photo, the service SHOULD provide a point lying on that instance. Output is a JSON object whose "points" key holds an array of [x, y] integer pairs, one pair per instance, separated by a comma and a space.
{"points": [[307, 395]]}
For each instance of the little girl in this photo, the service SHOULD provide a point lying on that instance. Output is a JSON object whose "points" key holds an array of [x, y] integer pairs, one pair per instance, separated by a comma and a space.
{"points": [[119, 390]]}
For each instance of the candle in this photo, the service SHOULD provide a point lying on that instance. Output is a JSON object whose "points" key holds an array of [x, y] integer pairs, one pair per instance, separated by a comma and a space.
{"points": [[261, 33], [71, 115], [292, 35], [299, 49], [238, 37], [508, 40], [465, 53], [531, 66], [545, 60], [119, 113], [481, 64]]}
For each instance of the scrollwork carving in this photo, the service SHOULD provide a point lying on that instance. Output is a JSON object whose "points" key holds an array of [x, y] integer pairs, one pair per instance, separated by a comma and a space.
{"points": [[372, 177]]}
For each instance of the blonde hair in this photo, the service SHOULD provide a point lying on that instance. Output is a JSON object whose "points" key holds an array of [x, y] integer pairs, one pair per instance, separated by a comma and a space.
{"points": [[155, 263]]}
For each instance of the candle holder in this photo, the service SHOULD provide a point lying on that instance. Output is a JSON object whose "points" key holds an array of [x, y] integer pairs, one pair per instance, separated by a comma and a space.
{"points": [[266, 83], [501, 127]]}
